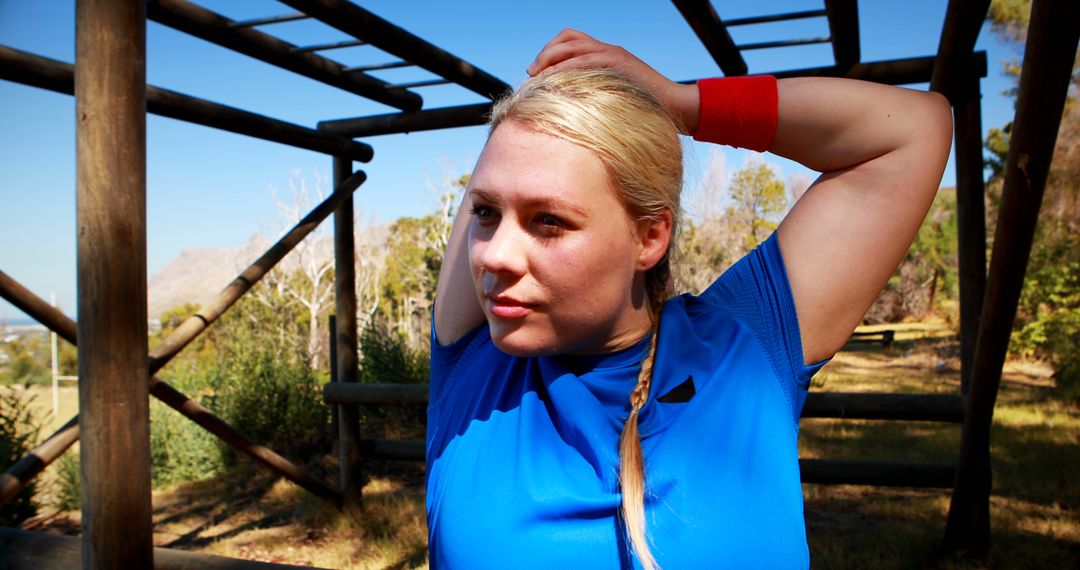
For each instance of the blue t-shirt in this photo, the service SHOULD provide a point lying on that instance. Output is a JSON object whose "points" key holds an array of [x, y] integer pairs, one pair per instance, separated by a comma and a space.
{"points": [[522, 453]]}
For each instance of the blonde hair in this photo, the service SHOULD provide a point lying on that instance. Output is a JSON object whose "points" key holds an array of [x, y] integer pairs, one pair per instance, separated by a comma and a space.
{"points": [[638, 143]]}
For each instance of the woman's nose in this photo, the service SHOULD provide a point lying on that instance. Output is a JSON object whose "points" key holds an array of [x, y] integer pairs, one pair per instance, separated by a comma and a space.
{"points": [[504, 252]]}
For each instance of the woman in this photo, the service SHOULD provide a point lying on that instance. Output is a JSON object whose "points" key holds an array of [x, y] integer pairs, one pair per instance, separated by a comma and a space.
{"points": [[579, 417]]}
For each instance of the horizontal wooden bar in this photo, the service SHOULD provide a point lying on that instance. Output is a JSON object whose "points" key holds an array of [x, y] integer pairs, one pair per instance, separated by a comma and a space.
{"points": [[362, 24], [876, 473], [23, 549], [424, 83], [392, 449], [713, 34], [375, 394], [269, 20], [785, 43], [411, 121], [870, 406], [38, 71], [891, 72], [213, 27], [380, 66], [847, 405], [329, 46], [774, 18], [820, 471]]}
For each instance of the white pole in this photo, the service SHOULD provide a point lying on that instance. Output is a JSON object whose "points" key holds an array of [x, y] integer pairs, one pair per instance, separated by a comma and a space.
{"points": [[55, 368]]}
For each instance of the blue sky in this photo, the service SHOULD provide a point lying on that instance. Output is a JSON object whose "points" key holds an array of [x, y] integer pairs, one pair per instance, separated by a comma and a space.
{"points": [[208, 188]]}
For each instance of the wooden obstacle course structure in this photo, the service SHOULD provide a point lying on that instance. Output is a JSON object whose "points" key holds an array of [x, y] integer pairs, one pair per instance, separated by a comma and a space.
{"points": [[118, 371]]}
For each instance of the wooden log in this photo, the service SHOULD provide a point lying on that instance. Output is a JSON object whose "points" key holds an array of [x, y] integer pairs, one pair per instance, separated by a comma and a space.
{"points": [[37, 71], [394, 450], [1044, 81], [712, 33], [963, 21], [392, 123], [876, 473], [216, 28], [376, 394], [844, 26], [891, 72], [347, 363], [26, 550], [912, 407], [775, 18], [110, 136], [970, 222], [335, 423], [364, 25]]}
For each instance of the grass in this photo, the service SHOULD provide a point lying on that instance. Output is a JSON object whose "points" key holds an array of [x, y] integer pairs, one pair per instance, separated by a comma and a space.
{"points": [[1035, 507]]}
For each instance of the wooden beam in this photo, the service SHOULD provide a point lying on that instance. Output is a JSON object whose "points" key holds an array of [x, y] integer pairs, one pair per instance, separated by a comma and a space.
{"points": [[110, 140], [705, 22], [364, 25], [23, 549], [37, 71], [913, 407], [877, 473], [213, 27], [1044, 82], [393, 123], [345, 339], [963, 20], [843, 18], [891, 72], [970, 221]]}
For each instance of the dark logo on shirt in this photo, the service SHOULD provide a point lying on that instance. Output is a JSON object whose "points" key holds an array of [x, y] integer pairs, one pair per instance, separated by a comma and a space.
{"points": [[679, 394]]}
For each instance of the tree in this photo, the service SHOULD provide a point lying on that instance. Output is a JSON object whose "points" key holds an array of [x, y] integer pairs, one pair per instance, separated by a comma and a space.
{"points": [[759, 198]]}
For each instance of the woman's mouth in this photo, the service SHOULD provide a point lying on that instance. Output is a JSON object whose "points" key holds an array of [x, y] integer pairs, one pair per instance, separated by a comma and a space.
{"points": [[508, 307]]}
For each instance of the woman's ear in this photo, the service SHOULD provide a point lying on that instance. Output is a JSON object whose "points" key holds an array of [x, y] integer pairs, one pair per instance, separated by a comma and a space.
{"points": [[655, 236]]}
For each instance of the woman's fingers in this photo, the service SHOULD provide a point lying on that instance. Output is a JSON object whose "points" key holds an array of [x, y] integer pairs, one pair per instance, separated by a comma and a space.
{"points": [[571, 49]]}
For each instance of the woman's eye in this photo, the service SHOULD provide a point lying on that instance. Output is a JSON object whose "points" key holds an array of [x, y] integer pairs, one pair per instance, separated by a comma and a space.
{"points": [[549, 220], [483, 213]]}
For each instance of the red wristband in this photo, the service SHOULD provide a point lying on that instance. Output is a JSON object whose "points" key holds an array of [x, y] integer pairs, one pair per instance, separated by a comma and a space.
{"points": [[738, 111]]}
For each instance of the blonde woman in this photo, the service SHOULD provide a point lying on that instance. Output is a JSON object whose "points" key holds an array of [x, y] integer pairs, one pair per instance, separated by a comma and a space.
{"points": [[580, 416]]}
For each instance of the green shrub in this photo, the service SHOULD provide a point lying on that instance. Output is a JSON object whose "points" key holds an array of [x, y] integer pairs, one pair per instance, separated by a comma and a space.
{"points": [[180, 450], [68, 496], [19, 430]]}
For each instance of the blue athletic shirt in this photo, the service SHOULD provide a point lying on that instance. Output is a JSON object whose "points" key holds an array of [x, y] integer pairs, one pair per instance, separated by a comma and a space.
{"points": [[522, 453]]}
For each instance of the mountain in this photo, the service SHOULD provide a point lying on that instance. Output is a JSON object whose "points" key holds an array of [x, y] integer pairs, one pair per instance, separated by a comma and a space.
{"points": [[197, 275]]}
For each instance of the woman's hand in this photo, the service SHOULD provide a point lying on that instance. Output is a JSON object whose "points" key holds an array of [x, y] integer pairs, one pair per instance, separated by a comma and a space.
{"points": [[572, 49]]}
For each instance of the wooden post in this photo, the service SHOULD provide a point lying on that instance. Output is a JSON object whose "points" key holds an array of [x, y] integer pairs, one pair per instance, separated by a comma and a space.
{"points": [[970, 218], [334, 421], [352, 480], [110, 110], [1048, 61]]}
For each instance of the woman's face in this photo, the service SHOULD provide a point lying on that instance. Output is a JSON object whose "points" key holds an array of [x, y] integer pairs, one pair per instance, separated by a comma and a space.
{"points": [[557, 263]]}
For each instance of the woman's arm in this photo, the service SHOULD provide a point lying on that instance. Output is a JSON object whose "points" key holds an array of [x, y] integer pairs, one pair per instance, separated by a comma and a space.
{"points": [[881, 151], [457, 308]]}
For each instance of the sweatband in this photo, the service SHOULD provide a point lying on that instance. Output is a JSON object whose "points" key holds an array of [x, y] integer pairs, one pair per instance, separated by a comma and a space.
{"points": [[738, 111]]}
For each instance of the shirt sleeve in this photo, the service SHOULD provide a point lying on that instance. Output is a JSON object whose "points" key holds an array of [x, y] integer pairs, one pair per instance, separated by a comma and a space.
{"points": [[444, 359], [756, 291]]}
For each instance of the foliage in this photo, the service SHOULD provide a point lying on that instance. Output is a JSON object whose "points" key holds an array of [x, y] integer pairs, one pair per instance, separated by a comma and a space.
{"points": [[19, 430], [759, 197], [68, 495]]}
